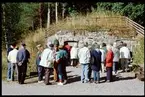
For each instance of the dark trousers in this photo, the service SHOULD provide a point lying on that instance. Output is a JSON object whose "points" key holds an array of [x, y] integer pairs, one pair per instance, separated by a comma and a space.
{"points": [[47, 75], [22, 73], [74, 62], [109, 73], [64, 70], [40, 71], [90, 72]]}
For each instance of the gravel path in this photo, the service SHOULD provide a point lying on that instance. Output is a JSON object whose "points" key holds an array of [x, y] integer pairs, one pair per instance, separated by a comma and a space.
{"points": [[125, 85]]}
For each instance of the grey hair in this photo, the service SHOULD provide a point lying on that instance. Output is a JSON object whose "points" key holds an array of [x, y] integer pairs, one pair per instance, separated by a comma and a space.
{"points": [[109, 47]]}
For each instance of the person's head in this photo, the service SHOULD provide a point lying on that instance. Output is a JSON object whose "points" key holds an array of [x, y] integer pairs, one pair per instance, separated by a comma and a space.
{"points": [[97, 46], [115, 44], [11, 46], [23, 45], [103, 44], [39, 47], [125, 44], [75, 45], [65, 43], [108, 47], [50, 45], [85, 44], [14, 45]]}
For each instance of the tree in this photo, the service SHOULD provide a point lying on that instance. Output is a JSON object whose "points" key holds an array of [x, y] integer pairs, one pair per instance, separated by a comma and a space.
{"points": [[56, 14], [48, 16]]}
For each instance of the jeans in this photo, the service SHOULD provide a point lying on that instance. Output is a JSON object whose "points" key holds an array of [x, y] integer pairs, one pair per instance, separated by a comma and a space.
{"points": [[14, 67], [84, 72], [60, 72], [9, 71], [115, 64], [96, 75], [40, 70]]}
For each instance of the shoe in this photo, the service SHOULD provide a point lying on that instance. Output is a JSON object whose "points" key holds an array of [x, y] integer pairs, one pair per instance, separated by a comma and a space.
{"points": [[40, 81], [65, 81], [60, 83], [9, 80], [108, 81], [96, 82]]}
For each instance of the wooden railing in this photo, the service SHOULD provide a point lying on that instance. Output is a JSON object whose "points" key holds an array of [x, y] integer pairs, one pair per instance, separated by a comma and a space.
{"points": [[139, 29]]}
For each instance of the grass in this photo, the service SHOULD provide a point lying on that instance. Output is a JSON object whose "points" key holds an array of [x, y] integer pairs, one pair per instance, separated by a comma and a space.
{"points": [[138, 54], [91, 22]]}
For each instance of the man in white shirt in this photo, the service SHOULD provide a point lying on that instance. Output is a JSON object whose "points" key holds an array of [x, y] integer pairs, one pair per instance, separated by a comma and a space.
{"points": [[124, 56], [84, 60], [13, 61]]}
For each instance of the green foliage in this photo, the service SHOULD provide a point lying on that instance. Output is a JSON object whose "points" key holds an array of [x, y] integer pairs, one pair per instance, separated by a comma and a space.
{"points": [[134, 11], [138, 54]]}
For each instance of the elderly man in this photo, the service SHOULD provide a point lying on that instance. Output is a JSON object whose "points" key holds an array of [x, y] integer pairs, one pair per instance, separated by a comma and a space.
{"points": [[47, 61], [84, 60], [124, 56], [22, 59], [12, 58]]}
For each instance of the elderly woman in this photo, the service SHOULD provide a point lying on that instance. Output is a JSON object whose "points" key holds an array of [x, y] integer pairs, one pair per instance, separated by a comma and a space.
{"points": [[40, 69], [96, 62], [116, 57], [109, 62], [74, 55]]}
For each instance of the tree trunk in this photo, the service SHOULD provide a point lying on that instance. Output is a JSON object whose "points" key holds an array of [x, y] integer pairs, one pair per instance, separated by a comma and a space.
{"points": [[63, 10], [48, 17], [3, 26], [40, 19], [56, 14]]}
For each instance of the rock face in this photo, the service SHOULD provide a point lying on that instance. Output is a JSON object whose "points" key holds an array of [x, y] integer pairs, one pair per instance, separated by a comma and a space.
{"points": [[99, 37], [139, 73]]}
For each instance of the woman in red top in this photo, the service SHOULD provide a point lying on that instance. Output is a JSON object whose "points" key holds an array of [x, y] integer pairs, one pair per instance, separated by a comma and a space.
{"points": [[109, 63]]}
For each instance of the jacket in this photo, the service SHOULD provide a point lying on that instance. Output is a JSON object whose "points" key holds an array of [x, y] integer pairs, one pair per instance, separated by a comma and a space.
{"points": [[47, 58], [74, 53], [12, 56], [109, 58], [116, 54], [96, 56], [84, 55]]}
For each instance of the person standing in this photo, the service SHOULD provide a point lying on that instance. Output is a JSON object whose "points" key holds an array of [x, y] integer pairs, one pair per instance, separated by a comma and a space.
{"points": [[116, 57], [74, 55], [102, 58], [96, 62], [67, 48], [40, 69], [47, 61], [9, 64], [109, 62], [84, 60], [23, 56], [124, 57], [12, 58]]}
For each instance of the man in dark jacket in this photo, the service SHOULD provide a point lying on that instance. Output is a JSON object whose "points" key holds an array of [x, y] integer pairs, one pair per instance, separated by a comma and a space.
{"points": [[22, 59], [96, 62]]}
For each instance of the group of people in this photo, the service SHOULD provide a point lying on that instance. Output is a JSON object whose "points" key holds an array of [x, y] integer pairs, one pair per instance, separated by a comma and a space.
{"points": [[17, 61], [55, 57]]}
